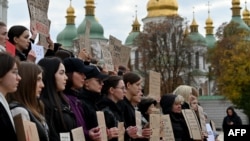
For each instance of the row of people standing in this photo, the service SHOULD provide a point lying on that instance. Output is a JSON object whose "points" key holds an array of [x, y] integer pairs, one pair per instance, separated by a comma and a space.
{"points": [[55, 109], [68, 93]]}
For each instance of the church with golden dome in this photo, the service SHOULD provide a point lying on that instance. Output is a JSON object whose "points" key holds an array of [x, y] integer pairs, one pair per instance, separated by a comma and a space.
{"points": [[157, 11]]}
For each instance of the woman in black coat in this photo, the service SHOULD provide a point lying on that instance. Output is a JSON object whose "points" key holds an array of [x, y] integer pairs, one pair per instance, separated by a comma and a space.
{"points": [[231, 119], [114, 91], [171, 104]]}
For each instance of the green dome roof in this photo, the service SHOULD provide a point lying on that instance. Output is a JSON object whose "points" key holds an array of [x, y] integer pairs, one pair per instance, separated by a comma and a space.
{"points": [[210, 41], [66, 36], [96, 29], [197, 39], [236, 16], [238, 20], [131, 38]]}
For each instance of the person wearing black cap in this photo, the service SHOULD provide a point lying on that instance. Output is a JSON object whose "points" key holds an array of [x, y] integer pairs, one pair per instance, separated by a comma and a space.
{"points": [[76, 70], [91, 94], [171, 104]]}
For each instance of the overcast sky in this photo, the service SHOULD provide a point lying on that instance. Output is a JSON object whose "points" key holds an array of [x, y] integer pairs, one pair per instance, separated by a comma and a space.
{"points": [[116, 16]]}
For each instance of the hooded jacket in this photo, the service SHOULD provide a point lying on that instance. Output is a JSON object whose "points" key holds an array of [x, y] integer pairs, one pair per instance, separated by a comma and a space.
{"points": [[179, 125]]}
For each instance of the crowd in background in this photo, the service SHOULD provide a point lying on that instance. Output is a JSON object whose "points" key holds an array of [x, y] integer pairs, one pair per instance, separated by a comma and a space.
{"points": [[63, 91]]}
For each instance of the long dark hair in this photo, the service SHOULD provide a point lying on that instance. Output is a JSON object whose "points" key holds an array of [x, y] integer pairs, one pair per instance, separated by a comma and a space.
{"points": [[50, 96], [26, 90]]}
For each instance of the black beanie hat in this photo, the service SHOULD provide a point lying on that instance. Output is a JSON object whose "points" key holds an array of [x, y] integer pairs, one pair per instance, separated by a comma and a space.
{"points": [[145, 103], [167, 102]]}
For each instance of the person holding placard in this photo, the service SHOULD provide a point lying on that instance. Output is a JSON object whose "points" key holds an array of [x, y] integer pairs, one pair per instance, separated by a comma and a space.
{"points": [[9, 79], [90, 96], [187, 93], [114, 91], [58, 113], [171, 104], [76, 70], [25, 100], [190, 95], [133, 96], [145, 107], [19, 37]]}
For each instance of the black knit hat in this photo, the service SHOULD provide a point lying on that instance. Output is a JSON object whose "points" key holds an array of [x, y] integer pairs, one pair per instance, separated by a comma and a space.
{"points": [[145, 103], [167, 102]]}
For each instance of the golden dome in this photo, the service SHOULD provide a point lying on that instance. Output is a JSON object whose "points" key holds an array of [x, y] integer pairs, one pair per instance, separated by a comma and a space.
{"points": [[70, 14], [90, 2], [157, 8], [246, 13], [235, 2], [209, 21], [70, 10]]}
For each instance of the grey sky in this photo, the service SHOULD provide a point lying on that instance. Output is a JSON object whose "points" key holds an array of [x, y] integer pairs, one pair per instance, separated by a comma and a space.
{"points": [[116, 16]]}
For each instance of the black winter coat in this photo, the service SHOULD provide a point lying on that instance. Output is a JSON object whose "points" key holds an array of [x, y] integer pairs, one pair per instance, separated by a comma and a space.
{"points": [[54, 121], [112, 112], [6, 128], [89, 101]]}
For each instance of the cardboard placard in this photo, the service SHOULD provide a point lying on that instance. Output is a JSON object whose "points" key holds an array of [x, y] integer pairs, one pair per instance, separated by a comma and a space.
{"points": [[212, 124], [166, 130], [125, 55], [138, 123], [83, 42], [156, 111], [154, 85], [65, 136], [102, 125], [78, 134], [115, 49], [107, 57], [202, 119], [38, 10], [192, 123], [121, 131], [154, 125], [25, 130]]}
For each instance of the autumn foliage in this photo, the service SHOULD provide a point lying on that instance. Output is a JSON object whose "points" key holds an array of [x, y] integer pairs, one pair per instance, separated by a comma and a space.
{"points": [[161, 48], [230, 60]]}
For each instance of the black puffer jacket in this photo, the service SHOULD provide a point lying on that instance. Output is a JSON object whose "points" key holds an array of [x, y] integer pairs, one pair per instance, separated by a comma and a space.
{"points": [[89, 101], [7, 130], [112, 112]]}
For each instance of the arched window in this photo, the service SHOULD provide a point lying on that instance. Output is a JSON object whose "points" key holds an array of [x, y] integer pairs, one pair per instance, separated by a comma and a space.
{"points": [[197, 60]]}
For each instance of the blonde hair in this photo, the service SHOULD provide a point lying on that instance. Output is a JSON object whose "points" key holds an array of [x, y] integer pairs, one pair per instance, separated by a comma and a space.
{"points": [[179, 99], [185, 91]]}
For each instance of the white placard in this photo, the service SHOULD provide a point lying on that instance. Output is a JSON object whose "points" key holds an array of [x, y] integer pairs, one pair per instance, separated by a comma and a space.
{"points": [[39, 51]]}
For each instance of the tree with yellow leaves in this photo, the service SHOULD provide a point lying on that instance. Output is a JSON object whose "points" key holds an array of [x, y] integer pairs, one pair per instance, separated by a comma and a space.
{"points": [[230, 60]]}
